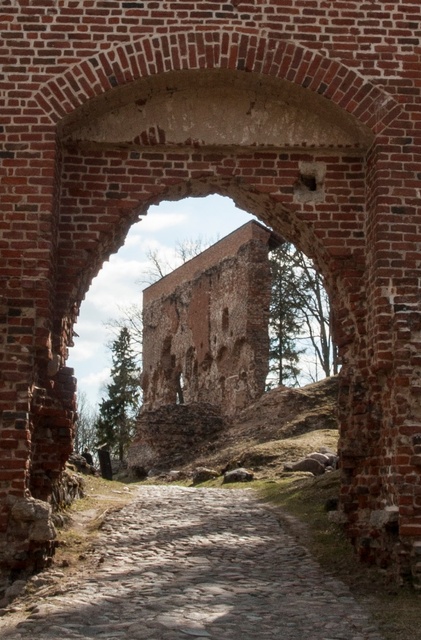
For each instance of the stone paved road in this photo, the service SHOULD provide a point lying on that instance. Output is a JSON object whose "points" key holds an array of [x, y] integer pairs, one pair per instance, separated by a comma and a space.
{"points": [[180, 563]]}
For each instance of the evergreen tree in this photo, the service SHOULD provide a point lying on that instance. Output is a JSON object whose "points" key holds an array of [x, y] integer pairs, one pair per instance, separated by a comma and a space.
{"points": [[299, 313], [316, 312], [117, 413], [285, 321]]}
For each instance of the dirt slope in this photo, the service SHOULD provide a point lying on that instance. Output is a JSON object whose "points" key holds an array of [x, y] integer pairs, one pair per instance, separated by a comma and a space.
{"points": [[282, 426]]}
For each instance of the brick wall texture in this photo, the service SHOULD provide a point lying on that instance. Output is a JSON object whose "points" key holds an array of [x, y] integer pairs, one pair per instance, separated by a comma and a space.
{"points": [[306, 113], [205, 326]]}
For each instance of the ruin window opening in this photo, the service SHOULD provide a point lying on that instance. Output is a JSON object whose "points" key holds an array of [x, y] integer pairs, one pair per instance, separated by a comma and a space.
{"points": [[309, 182], [166, 356], [179, 388], [225, 319]]}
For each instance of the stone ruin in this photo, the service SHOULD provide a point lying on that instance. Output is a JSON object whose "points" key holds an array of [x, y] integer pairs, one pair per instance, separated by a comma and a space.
{"points": [[205, 325], [171, 436], [205, 345]]}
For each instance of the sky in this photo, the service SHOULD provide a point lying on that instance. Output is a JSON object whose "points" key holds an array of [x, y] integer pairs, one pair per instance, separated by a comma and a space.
{"points": [[121, 280]]}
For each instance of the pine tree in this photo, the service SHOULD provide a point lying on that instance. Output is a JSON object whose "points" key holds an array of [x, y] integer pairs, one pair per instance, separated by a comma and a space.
{"points": [[117, 413], [285, 321], [299, 313]]}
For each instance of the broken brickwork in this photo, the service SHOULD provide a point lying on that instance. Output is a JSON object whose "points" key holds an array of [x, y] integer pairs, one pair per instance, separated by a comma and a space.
{"points": [[307, 116], [205, 326], [173, 435]]}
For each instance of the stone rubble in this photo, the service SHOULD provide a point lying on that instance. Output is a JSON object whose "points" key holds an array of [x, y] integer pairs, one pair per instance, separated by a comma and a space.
{"points": [[316, 463], [238, 475], [180, 563]]}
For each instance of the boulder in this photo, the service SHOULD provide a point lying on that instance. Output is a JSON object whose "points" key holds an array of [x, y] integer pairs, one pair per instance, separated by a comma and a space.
{"points": [[42, 530], [37, 515], [156, 473], [202, 474], [333, 460], [308, 464], [333, 457], [175, 476], [15, 589], [238, 475], [81, 465], [70, 486], [320, 457]]}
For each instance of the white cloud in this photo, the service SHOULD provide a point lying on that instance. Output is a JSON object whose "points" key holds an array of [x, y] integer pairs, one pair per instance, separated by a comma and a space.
{"points": [[135, 239], [157, 220], [121, 268], [93, 383], [115, 286], [121, 280], [84, 350], [96, 378]]}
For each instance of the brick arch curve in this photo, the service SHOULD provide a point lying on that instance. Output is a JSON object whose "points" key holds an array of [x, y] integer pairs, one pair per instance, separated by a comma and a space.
{"points": [[82, 254], [247, 52], [208, 49], [77, 267], [243, 53], [376, 217]]}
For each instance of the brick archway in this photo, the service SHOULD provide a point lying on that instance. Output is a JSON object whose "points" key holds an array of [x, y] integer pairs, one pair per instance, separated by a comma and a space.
{"points": [[209, 49], [70, 205]]}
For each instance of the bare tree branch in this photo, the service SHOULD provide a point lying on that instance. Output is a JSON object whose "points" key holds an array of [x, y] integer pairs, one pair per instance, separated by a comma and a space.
{"points": [[303, 298]]}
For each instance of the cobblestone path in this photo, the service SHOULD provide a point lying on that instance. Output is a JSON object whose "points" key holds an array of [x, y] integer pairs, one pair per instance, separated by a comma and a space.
{"points": [[180, 563]]}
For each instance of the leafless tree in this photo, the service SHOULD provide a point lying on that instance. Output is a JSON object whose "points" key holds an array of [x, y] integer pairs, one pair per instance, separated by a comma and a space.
{"points": [[300, 315], [184, 250], [317, 316], [130, 317], [85, 437]]}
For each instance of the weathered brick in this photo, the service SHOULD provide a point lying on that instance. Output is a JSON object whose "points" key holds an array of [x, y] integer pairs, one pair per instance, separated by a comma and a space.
{"points": [[52, 64]]}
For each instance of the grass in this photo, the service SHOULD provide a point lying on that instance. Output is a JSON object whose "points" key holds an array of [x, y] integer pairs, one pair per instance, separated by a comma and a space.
{"points": [[267, 458], [85, 518], [305, 499]]}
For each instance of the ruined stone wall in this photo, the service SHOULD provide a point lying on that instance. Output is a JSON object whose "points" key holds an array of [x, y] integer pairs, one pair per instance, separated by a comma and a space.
{"points": [[173, 435], [205, 326], [306, 114]]}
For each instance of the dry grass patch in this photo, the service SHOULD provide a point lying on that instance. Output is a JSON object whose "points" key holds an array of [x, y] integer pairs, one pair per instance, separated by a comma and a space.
{"points": [[85, 517], [267, 459]]}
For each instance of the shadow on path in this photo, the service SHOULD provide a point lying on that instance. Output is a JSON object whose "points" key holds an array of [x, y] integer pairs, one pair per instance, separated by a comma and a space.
{"points": [[204, 563]]}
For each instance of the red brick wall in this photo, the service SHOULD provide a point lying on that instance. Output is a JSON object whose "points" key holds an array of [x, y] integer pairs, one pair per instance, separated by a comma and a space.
{"points": [[225, 248], [58, 226], [205, 326], [103, 193]]}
